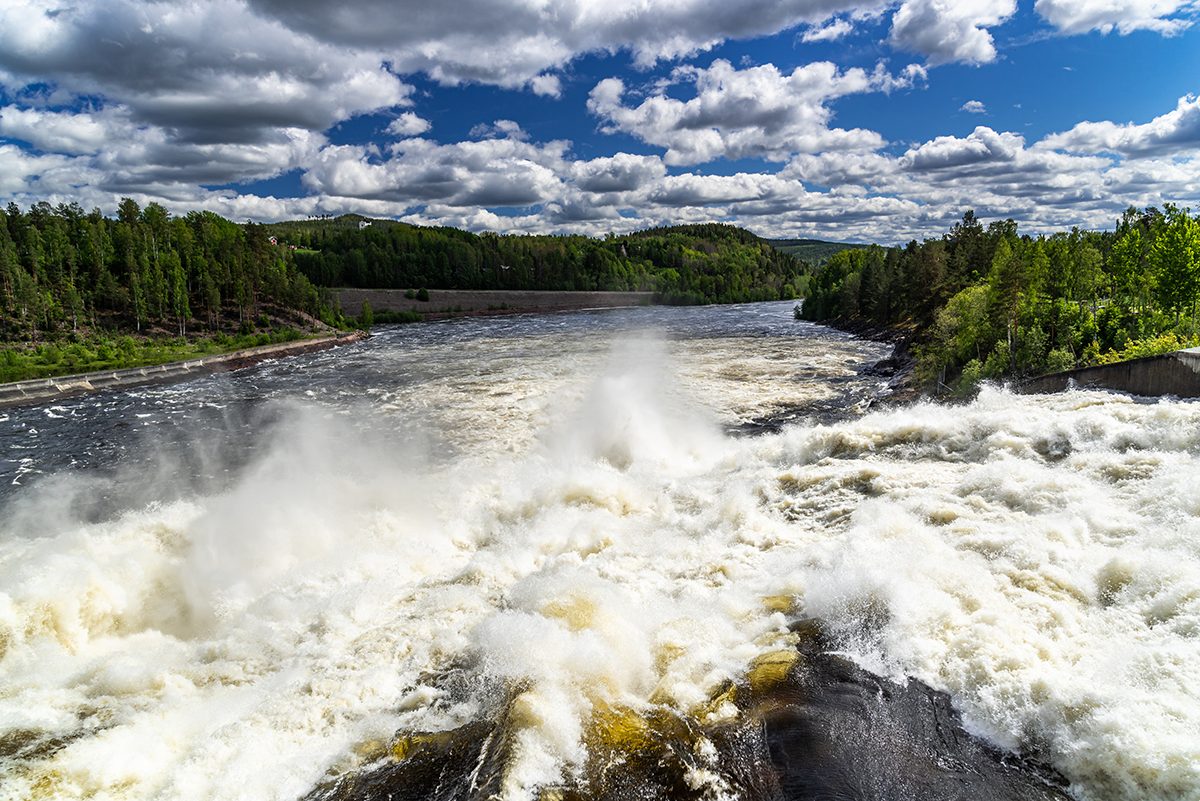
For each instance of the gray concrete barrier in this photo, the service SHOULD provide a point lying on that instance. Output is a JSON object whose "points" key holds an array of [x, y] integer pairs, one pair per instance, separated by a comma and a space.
{"points": [[470, 302], [1176, 374]]}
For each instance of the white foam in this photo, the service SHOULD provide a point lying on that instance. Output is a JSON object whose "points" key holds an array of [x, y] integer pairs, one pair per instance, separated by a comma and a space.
{"points": [[1036, 557]]}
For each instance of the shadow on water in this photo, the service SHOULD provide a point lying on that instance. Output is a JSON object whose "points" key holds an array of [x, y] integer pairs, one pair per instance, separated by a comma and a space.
{"points": [[119, 465], [810, 724], [853, 396]]}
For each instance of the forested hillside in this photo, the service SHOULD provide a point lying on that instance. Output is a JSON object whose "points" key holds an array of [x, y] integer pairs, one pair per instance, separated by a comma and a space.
{"points": [[64, 270], [683, 264], [988, 302], [80, 291], [813, 251]]}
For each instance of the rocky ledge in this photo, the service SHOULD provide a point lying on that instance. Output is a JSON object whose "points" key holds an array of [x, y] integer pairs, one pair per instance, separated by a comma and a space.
{"points": [[811, 725]]}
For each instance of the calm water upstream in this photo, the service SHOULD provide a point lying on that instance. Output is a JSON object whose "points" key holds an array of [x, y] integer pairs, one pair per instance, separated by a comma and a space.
{"points": [[239, 586]]}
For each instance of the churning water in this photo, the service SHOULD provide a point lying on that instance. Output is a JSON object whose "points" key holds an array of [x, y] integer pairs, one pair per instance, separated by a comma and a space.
{"points": [[245, 585]]}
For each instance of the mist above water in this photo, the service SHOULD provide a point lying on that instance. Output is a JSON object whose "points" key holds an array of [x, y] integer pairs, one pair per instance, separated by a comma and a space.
{"points": [[552, 520]]}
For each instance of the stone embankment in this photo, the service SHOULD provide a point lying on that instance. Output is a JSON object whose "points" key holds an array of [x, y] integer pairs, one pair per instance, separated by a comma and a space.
{"points": [[1176, 374], [472, 303], [40, 390]]}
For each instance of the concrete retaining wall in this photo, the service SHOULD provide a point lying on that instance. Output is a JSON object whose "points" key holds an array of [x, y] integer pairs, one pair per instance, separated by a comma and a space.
{"points": [[1176, 374], [464, 302], [39, 390]]}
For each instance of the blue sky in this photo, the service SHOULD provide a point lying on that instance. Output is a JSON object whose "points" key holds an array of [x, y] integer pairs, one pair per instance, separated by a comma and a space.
{"points": [[876, 121]]}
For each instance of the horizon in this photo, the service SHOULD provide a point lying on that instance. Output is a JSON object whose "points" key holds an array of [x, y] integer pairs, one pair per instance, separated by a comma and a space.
{"points": [[867, 122]]}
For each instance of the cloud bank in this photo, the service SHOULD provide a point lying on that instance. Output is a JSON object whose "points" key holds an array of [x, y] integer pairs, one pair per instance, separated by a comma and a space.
{"points": [[189, 103]]}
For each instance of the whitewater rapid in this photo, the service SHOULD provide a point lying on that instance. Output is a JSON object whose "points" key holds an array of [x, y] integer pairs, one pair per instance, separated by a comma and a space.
{"points": [[564, 522]]}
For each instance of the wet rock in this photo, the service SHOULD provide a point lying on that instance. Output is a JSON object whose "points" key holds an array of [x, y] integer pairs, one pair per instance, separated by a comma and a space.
{"points": [[446, 766], [839, 732], [813, 727]]}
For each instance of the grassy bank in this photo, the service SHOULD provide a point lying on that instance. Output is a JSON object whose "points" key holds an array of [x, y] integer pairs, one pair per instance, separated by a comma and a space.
{"points": [[96, 353]]}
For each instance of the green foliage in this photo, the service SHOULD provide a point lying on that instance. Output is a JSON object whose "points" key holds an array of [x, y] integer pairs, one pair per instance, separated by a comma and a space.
{"points": [[66, 272], [685, 264], [1059, 360], [972, 374], [987, 300], [385, 317], [423, 295], [1175, 262], [998, 361], [963, 328], [1151, 346], [366, 318], [19, 362]]}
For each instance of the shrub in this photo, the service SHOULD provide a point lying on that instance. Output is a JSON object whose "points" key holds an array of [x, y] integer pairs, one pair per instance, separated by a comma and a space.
{"points": [[998, 361], [972, 374], [1059, 360]]}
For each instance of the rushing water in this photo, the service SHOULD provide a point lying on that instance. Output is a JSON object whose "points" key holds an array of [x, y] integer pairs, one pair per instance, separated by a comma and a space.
{"points": [[241, 586]]}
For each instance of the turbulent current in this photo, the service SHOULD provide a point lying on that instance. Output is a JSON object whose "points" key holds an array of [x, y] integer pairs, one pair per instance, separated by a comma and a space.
{"points": [[250, 585]]}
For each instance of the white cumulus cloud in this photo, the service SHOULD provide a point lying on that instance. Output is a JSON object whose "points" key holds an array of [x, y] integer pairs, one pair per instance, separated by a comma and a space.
{"points": [[1175, 132], [950, 30], [831, 31], [408, 124], [739, 113], [1122, 16]]}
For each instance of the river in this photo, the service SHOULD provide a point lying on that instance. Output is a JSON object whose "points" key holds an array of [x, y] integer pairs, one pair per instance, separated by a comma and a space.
{"points": [[239, 587]]}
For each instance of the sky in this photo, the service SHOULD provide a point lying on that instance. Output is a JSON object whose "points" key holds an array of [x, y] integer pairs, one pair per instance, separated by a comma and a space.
{"points": [[854, 121]]}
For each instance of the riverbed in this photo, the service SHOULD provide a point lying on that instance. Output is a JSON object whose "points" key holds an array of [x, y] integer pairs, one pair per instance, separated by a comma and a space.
{"points": [[247, 585]]}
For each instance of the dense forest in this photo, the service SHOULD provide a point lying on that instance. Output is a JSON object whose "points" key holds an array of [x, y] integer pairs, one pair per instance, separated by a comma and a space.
{"points": [[988, 302], [684, 264], [64, 270]]}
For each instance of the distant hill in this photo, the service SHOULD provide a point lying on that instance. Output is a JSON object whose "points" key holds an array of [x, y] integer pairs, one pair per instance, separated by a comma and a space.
{"points": [[813, 251], [329, 223]]}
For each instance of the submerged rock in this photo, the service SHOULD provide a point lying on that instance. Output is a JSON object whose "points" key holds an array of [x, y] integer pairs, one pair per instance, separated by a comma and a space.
{"points": [[812, 726]]}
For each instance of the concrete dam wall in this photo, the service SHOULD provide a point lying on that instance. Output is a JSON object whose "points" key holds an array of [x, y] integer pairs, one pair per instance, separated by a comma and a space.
{"points": [[469, 302], [1176, 374]]}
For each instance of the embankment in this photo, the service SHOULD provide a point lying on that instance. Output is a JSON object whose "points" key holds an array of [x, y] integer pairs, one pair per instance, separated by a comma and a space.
{"points": [[1176, 374], [43, 389], [463, 303]]}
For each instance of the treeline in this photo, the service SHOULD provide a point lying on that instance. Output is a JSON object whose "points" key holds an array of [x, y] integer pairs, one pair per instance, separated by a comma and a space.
{"points": [[64, 270], [988, 302], [684, 264]]}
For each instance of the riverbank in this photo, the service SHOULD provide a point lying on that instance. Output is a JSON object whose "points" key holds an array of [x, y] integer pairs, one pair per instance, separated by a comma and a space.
{"points": [[445, 303], [39, 390], [899, 368]]}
